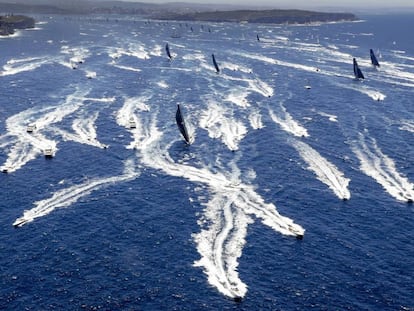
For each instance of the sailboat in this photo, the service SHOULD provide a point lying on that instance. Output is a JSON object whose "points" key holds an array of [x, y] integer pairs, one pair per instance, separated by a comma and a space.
{"points": [[357, 72], [181, 125], [215, 63], [374, 59], [167, 49]]}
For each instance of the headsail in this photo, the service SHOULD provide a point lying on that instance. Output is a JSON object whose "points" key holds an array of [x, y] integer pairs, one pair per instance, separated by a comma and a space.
{"points": [[215, 63], [357, 72], [374, 59], [181, 125], [167, 49]]}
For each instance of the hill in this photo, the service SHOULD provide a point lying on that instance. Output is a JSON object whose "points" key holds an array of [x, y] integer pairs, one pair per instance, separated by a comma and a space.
{"points": [[9, 23], [262, 16], [176, 11]]}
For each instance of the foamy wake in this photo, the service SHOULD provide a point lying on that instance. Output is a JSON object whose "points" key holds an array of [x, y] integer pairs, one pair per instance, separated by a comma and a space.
{"points": [[260, 87], [382, 169], [226, 216], [127, 116], [374, 94], [15, 66], [130, 107], [287, 123], [407, 125], [325, 171], [25, 150], [238, 96], [220, 124], [68, 196], [27, 146], [255, 119], [85, 130], [76, 54], [331, 117]]}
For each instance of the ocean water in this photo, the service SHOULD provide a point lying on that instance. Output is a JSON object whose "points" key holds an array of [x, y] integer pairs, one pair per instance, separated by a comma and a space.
{"points": [[128, 218]]}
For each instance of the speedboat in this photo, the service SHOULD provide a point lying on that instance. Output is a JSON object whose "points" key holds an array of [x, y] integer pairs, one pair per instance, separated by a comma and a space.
{"points": [[19, 222], [48, 152], [30, 128], [298, 232], [91, 74], [132, 123]]}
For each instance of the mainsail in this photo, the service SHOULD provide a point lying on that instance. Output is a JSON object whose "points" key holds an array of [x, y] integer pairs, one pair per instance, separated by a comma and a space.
{"points": [[215, 63], [167, 49], [357, 72], [374, 59], [181, 124]]}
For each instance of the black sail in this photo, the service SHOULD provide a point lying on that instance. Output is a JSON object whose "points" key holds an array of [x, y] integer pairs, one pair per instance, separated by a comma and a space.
{"points": [[357, 72], [167, 49], [215, 63], [374, 59], [181, 124]]}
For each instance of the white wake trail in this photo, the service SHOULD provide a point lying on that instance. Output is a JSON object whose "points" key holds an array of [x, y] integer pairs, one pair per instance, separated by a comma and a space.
{"points": [[407, 125], [27, 146], [85, 128], [287, 123], [16, 66], [76, 55], [225, 218], [325, 171], [221, 243], [359, 87], [255, 119], [220, 124], [382, 169], [130, 107], [127, 117], [66, 197]]}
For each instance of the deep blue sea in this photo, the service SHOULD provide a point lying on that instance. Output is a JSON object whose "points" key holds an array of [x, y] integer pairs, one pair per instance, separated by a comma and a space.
{"points": [[285, 143]]}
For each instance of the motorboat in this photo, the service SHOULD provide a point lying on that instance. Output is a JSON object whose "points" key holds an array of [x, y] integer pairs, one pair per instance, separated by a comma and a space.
{"points": [[48, 152], [20, 222], [132, 123], [91, 74], [30, 128]]}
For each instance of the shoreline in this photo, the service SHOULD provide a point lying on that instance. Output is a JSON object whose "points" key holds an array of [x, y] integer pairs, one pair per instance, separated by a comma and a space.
{"points": [[10, 23]]}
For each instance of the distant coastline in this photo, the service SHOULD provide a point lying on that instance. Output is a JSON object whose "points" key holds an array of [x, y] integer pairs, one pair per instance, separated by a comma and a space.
{"points": [[262, 16], [9, 23], [176, 11]]}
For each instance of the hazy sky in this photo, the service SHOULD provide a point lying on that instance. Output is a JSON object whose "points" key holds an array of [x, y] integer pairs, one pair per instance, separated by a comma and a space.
{"points": [[302, 3]]}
